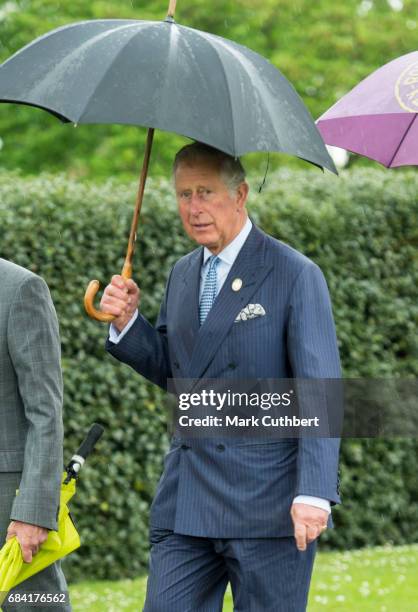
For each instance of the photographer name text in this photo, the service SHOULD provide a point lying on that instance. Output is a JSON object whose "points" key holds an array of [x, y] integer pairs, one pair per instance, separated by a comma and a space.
{"points": [[235, 421]]}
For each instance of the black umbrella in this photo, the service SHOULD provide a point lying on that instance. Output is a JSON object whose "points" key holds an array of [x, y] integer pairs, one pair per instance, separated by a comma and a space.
{"points": [[166, 76]]}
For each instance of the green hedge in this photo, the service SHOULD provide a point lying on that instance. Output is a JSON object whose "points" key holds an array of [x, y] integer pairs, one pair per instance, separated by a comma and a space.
{"points": [[361, 228]]}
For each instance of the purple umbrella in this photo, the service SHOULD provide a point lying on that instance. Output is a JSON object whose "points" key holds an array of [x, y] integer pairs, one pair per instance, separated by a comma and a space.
{"points": [[377, 118]]}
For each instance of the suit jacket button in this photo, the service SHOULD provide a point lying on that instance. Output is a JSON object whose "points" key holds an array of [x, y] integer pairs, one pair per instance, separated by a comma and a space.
{"points": [[185, 447], [232, 366], [220, 448]]}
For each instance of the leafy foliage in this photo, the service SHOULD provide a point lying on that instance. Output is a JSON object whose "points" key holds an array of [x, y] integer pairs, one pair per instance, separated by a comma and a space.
{"points": [[361, 229]]}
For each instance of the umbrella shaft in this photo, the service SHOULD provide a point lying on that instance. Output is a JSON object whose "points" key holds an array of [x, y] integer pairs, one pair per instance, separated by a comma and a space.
{"points": [[127, 266], [171, 8]]}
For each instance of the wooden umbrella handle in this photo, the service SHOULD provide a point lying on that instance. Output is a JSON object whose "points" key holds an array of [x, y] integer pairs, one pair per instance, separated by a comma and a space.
{"points": [[94, 285]]}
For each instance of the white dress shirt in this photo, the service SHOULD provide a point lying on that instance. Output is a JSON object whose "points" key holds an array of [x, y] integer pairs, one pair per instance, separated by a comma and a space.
{"points": [[226, 259]]}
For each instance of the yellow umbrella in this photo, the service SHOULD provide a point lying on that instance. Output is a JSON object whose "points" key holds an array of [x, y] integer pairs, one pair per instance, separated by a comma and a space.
{"points": [[10, 563], [59, 543]]}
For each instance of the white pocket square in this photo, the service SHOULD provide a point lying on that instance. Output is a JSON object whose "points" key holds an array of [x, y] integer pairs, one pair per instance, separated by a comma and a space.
{"points": [[251, 311]]}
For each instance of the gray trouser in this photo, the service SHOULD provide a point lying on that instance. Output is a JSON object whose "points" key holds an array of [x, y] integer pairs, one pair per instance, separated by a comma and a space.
{"points": [[51, 579]]}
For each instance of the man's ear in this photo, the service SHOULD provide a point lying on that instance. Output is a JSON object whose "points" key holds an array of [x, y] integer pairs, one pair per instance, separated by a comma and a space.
{"points": [[242, 194]]}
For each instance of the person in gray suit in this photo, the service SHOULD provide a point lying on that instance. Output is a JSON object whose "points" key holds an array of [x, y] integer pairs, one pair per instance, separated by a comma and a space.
{"points": [[31, 433], [248, 512]]}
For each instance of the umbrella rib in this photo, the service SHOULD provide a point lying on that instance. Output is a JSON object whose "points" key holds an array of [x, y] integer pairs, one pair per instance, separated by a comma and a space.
{"points": [[208, 37], [402, 139], [244, 61], [229, 94]]}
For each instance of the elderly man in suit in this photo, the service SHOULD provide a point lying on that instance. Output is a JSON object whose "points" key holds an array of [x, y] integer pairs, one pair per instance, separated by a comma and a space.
{"points": [[244, 512], [31, 432]]}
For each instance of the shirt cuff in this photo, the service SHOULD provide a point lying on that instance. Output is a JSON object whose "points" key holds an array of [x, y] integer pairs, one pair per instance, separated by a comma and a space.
{"points": [[115, 336], [318, 502]]}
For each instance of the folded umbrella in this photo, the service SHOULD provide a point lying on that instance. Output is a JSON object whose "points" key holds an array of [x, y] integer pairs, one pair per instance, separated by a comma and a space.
{"points": [[59, 543], [11, 562]]}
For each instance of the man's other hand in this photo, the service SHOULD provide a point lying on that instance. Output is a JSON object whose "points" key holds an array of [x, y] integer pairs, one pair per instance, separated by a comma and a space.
{"points": [[30, 538], [309, 522], [120, 298]]}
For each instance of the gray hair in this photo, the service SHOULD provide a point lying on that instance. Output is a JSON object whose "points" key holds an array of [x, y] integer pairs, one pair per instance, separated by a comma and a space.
{"points": [[230, 168]]}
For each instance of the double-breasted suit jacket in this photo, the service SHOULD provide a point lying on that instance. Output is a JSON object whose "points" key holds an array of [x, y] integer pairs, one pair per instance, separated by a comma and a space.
{"points": [[235, 488]]}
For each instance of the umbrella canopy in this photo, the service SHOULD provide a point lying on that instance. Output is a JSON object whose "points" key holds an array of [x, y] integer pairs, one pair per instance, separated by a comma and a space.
{"points": [[377, 118], [166, 76]]}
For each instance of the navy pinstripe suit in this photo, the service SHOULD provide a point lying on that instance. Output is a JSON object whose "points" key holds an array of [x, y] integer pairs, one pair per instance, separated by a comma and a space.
{"points": [[235, 489]]}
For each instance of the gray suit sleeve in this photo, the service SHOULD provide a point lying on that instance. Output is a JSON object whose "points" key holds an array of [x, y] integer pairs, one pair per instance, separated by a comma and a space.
{"points": [[34, 347], [313, 354]]}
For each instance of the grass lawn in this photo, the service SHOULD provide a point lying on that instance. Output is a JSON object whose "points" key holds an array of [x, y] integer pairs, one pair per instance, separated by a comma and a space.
{"points": [[381, 579]]}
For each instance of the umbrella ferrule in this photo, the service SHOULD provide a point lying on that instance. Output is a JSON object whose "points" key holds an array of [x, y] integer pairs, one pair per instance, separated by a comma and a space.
{"points": [[170, 19], [78, 462], [74, 467]]}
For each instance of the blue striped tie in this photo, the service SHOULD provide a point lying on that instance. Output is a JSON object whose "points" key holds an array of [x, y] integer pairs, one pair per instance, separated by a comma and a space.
{"points": [[209, 289]]}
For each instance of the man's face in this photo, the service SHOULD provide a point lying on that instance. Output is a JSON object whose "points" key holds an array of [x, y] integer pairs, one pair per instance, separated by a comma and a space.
{"points": [[212, 215]]}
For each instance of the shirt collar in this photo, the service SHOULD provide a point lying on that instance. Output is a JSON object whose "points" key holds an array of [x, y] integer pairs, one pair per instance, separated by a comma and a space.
{"points": [[230, 252]]}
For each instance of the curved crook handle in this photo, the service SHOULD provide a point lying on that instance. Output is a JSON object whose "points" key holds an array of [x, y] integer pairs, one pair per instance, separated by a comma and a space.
{"points": [[92, 289]]}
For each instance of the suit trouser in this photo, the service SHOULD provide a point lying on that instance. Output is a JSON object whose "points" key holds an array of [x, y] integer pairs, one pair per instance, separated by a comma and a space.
{"points": [[51, 579], [190, 574]]}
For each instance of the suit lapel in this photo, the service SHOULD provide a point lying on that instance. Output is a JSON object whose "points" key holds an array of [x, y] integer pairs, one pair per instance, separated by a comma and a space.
{"points": [[250, 267], [188, 321]]}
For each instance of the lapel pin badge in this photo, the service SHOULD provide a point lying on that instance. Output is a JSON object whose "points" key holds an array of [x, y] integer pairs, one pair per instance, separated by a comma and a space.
{"points": [[236, 284]]}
